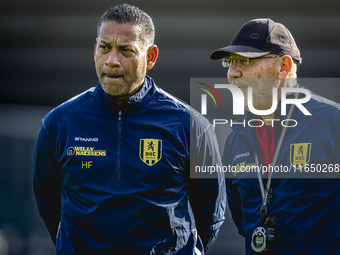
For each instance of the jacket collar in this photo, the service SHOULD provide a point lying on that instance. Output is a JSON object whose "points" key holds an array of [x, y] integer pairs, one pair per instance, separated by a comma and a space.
{"points": [[142, 97]]}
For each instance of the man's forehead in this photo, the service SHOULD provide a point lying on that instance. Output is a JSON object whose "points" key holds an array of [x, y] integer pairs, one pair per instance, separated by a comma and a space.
{"points": [[124, 31]]}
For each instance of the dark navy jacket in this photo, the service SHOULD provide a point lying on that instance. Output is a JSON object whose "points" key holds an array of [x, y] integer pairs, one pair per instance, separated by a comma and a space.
{"points": [[117, 181], [307, 209]]}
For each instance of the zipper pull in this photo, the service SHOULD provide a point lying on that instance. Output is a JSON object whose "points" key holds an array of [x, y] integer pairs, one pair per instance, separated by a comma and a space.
{"points": [[120, 115]]}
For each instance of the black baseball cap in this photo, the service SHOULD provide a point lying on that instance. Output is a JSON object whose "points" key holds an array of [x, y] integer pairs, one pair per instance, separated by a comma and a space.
{"points": [[259, 37]]}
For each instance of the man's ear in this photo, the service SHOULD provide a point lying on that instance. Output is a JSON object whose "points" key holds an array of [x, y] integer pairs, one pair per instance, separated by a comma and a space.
{"points": [[152, 55], [286, 66]]}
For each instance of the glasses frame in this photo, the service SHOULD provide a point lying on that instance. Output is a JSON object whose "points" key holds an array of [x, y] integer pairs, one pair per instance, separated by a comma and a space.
{"points": [[226, 64]]}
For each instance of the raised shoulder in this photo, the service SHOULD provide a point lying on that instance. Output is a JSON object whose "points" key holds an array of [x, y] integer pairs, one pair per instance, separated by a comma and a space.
{"points": [[180, 109], [328, 103], [72, 105]]}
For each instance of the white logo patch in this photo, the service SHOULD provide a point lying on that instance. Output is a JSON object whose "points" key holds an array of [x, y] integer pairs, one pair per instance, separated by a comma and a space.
{"points": [[80, 139], [241, 155]]}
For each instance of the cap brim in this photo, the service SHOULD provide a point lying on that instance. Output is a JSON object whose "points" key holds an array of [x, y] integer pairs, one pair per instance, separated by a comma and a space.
{"points": [[242, 50]]}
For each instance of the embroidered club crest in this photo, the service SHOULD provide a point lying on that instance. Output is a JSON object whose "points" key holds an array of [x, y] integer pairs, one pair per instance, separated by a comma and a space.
{"points": [[300, 154], [150, 151]]}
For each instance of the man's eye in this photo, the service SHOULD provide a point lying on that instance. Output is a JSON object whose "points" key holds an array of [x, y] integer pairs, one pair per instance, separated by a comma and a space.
{"points": [[243, 62], [105, 47], [127, 50]]}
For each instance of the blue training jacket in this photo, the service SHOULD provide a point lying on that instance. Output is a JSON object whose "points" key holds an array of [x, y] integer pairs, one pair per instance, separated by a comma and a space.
{"points": [[117, 181], [305, 201]]}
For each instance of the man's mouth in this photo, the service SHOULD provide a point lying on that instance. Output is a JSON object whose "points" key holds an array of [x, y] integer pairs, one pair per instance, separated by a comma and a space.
{"points": [[113, 76], [240, 86]]}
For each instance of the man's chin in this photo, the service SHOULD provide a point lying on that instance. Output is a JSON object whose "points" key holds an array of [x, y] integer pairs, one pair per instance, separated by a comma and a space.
{"points": [[114, 90]]}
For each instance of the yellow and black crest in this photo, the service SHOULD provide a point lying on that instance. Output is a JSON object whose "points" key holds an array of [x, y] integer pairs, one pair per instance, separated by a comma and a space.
{"points": [[300, 154], [150, 151]]}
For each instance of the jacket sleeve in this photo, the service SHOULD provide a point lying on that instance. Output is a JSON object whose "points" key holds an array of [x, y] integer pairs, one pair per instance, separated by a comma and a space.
{"points": [[207, 193], [47, 181], [234, 199]]}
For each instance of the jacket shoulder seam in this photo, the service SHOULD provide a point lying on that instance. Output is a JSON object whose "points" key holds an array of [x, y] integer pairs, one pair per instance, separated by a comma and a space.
{"points": [[74, 98]]}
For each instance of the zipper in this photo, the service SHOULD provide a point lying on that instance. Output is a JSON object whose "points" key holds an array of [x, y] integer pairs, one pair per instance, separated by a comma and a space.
{"points": [[118, 177]]}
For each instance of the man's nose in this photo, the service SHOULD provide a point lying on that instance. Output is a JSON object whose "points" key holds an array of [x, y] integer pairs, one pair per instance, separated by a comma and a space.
{"points": [[113, 59], [234, 72]]}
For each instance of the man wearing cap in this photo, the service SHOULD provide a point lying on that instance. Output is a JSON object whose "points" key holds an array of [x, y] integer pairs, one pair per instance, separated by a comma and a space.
{"points": [[296, 208]]}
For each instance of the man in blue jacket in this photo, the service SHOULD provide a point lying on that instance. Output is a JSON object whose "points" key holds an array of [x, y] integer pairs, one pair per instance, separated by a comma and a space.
{"points": [[112, 165], [292, 205]]}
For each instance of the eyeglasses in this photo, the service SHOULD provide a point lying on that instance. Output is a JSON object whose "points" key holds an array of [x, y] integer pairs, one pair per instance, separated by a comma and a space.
{"points": [[227, 62]]}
